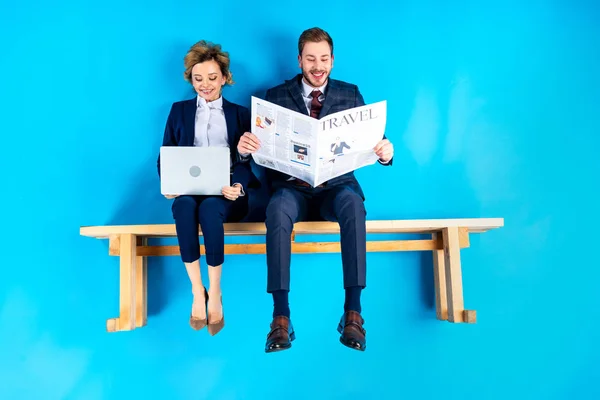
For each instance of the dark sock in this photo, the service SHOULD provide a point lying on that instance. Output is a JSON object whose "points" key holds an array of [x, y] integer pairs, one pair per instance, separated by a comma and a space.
{"points": [[281, 305], [353, 299]]}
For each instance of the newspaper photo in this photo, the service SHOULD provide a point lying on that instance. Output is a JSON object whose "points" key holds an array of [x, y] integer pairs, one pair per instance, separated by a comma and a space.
{"points": [[317, 150]]}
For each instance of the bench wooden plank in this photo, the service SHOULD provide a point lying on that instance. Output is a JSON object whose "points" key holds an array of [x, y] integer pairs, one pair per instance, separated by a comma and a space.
{"points": [[472, 225]]}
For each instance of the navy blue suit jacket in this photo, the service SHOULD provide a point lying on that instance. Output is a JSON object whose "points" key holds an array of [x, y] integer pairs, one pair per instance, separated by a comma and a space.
{"points": [[180, 131], [339, 96]]}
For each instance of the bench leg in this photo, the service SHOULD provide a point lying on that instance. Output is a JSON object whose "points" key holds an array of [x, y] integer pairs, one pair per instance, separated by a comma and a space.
{"points": [[127, 285], [454, 288], [141, 287], [439, 281]]}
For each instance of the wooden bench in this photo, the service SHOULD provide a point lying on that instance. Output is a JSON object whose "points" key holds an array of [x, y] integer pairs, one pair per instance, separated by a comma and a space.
{"points": [[445, 238]]}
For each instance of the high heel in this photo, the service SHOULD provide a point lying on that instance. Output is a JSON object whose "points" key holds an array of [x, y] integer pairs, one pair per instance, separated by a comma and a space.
{"points": [[197, 323], [214, 328]]}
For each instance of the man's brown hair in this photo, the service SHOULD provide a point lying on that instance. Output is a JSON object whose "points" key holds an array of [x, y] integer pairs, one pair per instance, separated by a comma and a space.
{"points": [[314, 35]]}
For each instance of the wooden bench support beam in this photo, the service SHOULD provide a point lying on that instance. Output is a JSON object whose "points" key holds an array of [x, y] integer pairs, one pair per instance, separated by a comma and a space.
{"points": [[470, 316], [141, 286], [143, 250], [439, 274], [114, 245], [453, 274], [127, 285], [439, 281]]}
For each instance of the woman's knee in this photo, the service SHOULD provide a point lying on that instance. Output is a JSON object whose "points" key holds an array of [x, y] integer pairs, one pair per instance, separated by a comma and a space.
{"points": [[184, 206], [212, 211]]}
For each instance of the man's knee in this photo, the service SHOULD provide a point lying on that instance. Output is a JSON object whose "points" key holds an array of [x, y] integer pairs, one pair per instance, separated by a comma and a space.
{"points": [[349, 204], [280, 210]]}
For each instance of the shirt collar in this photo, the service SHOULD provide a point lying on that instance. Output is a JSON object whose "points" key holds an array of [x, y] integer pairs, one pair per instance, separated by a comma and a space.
{"points": [[307, 89], [216, 104]]}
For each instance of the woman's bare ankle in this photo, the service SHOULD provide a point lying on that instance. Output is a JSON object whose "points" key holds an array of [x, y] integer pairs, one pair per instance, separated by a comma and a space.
{"points": [[214, 292], [198, 291]]}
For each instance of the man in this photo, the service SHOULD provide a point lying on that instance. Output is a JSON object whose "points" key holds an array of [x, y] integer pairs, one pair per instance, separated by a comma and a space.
{"points": [[340, 199]]}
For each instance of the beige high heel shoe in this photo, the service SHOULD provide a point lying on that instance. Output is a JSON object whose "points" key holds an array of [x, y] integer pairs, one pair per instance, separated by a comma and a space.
{"points": [[214, 328], [197, 323]]}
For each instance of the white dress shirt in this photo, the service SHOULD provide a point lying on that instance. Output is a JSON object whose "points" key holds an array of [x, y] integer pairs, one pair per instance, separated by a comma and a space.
{"points": [[307, 90], [210, 129]]}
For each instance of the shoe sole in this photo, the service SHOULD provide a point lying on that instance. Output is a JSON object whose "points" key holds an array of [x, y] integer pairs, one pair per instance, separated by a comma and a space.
{"points": [[352, 347], [340, 329], [275, 350]]}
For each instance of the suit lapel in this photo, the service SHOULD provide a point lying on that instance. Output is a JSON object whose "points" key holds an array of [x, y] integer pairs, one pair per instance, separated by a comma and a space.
{"points": [[189, 121], [230, 120], [295, 90], [331, 96]]}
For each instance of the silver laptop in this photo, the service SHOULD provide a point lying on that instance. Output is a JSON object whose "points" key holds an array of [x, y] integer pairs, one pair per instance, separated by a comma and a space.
{"points": [[194, 170]]}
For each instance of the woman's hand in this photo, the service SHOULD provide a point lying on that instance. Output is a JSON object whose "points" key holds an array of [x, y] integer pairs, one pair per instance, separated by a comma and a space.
{"points": [[232, 192], [171, 196], [249, 143]]}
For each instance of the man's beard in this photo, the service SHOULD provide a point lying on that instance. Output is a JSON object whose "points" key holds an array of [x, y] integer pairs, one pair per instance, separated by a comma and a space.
{"points": [[308, 77]]}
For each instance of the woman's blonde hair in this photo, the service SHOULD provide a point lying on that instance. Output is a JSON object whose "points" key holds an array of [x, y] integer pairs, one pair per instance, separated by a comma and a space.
{"points": [[206, 51]]}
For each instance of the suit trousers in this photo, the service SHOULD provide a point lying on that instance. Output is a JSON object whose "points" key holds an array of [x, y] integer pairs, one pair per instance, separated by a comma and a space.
{"points": [[339, 203], [210, 212]]}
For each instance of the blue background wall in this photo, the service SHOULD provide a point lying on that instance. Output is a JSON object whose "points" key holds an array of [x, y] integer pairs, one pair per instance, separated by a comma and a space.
{"points": [[493, 109]]}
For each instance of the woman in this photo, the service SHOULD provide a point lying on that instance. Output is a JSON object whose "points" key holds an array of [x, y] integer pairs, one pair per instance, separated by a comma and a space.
{"points": [[208, 120]]}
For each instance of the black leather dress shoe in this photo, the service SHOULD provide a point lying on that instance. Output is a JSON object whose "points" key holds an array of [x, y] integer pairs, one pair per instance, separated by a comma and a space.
{"points": [[351, 329], [281, 335]]}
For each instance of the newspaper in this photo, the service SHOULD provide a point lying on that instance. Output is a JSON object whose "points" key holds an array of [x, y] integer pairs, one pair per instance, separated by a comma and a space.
{"points": [[317, 150]]}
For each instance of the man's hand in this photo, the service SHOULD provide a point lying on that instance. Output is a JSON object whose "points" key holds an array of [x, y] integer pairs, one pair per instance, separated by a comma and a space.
{"points": [[249, 143], [384, 150], [232, 192], [171, 196]]}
